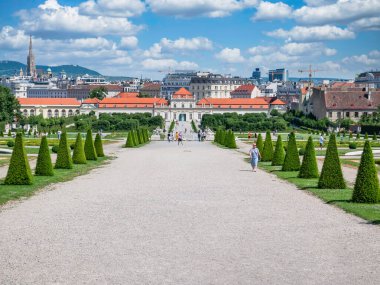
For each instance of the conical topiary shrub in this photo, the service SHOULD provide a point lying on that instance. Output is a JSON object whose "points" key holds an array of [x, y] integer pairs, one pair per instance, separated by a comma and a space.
{"points": [[79, 157], [279, 153], [19, 172], [99, 146], [292, 159], [222, 137], [232, 140], [44, 167], [267, 154], [63, 155], [259, 143], [309, 167], [136, 138], [374, 137], [216, 136], [331, 175], [357, 136], [130, 141], [366, 188], [89, 148], [366, 136], [139, 137]]}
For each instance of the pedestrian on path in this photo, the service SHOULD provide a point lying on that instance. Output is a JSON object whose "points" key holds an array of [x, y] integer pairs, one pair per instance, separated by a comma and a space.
{"points": [[199, 135], [180, 138], [321, 140], [169, 137], [176, 136], [255, 156]]}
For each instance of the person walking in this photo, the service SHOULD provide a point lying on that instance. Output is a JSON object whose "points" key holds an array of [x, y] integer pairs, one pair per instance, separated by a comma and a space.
{"points": [[255, 156], [199, 135], [176, 136], [249, 136], [321, 140], [169, 138], [180, 138]]}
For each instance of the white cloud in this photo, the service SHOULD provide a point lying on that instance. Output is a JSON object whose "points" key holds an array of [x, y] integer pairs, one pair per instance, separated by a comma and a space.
{"points": [[163, 64], [317, 33], [316, 3], [307, 49], [54, 19], [10, 38], [198, 43], [153, 51], [341, 11], [130, 42], [261, 50], [372, 23], [230, 55], [194, 8], [362, 59], [272, 11], [114, 8]]}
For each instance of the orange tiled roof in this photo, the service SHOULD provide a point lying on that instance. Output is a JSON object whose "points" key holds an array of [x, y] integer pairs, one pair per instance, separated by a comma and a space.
{"points": [[127, 95], [49, 101], [277, 102], [183, 93], [238, 103], [91, 101], [134, 102], [244, 89]]}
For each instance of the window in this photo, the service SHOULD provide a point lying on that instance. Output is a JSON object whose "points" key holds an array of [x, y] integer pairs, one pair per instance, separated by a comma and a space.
{"points": [[63, 113], [70, 112], [175, 116], [347, 114], [183, 105], [330, 114], [199, 116], [175, 105], [356, 114], [191, 116]]}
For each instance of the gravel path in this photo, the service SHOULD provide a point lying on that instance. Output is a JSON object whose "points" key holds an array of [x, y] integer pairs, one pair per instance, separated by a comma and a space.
{"points": [[164, 214]]}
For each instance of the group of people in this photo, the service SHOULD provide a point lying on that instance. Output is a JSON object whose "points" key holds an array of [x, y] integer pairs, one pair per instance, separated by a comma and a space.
{"points": [[201, 135], [177, 136]]}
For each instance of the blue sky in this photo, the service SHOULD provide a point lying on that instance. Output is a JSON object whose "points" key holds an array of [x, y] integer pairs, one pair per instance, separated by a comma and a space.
{"points": [[137, 37]]}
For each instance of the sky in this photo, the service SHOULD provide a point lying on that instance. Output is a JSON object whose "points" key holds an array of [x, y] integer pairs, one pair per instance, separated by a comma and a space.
{"points": [[152, 37]]}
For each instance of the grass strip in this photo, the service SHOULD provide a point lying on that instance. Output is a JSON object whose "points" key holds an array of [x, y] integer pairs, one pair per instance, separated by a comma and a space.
{"points": [[14, 192]]}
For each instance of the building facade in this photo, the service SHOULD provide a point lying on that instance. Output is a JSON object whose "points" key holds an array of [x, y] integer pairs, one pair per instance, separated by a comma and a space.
{"points": [[49, 107], [246, 91], [174, 81], [280, 74]]}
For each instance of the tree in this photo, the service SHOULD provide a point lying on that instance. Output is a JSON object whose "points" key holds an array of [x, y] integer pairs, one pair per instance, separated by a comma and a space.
{"points": [[374, 137], [216, 136], [331, 175], [89, 148], [267, 154], [19, 172], [64, 154], [99, 146], [79, 157], [139, 136], [279, 154], [99, 93], [259, 143], [366, 188], [309, 167], [44, 166], [292, 159], [9, 105], [130, 141], [230, 143]]}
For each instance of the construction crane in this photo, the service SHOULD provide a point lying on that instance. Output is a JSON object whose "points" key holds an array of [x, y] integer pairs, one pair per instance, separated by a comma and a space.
{"points": [[310, 71]]}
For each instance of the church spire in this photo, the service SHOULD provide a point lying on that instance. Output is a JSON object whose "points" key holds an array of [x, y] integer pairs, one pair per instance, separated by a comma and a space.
{"points": [[31, 65]]}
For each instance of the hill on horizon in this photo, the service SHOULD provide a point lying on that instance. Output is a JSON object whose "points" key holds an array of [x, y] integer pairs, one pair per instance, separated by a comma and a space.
{"points": [[10, 68]]}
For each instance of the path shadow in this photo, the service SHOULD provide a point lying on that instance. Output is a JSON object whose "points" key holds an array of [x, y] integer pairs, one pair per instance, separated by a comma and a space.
{"points": [[335, 201], [245, 170], [376, 222]]}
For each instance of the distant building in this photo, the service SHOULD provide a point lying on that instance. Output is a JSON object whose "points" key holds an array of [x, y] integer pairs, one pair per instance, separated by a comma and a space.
{"points": [[290, 93], [31, 64], [49, 107], [245, 91], [343, 102], [209, 85], [174, 81], [370, 78], [81, 92], [151, 90], [46, 92], [256, 75], [280, 74]]}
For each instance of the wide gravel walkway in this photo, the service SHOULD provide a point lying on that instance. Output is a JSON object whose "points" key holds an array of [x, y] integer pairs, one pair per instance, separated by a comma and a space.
{"points": [[164, 214]]}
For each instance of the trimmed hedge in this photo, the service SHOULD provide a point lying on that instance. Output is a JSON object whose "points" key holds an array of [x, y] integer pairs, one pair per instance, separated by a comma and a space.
{"points": [[222, 137], [259, 143], [279, 153], [366, 188], [309, 167], [44, 167], [331, 175], [19, 172], [63, 155], [267, 154], [79, 157], [130, 141], [135, 138], [230, 141], [89, 148], [292, 159], [99, 146]]}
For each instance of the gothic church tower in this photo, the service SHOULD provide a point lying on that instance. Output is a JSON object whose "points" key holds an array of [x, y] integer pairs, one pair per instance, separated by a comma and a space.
{"points": [[31, 64]]}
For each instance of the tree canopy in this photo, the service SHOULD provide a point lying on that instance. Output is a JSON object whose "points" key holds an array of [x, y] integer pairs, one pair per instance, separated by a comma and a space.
{"points": [[99, 92], [9, 105]]}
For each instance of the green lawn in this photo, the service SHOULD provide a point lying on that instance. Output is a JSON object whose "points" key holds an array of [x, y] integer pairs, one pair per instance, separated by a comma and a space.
{"points": [[340, 198], [4, 160], [13, 192], [117, 135]]}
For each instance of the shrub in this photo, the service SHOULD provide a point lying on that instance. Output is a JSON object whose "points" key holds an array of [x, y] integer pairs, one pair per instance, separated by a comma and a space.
{"points": [[222, 137], [366, 188], [10, 143], [54, 148], [171, 127], [279, 154], [301, 151], [193, 126], [357, 136], [216, 136], [99, 146], [366, 136], [351, 136], [259, 143], [89, 148], [267, 154], [63, 155], [352, 145], [19, 172], [79, 157], [374, 137], [130, 141], [72, 146], [1, 133], [9, 133], [331, 175], [231, 143], [309, 167], [44, 166], [292, 159]]}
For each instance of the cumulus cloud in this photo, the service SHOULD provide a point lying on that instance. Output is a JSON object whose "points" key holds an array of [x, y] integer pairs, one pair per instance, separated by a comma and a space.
{"points": [[311, 49], [272, 11], [54, 19], [261, 50], [372, 24], [194, 8], [362, 59], [130, 42], [114, 8], [317, 33], [342, 11], [153, 51], [163, 64], [230, 55], [198, 43]]}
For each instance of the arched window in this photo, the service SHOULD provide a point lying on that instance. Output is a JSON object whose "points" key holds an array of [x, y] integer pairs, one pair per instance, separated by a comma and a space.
{"points": [[32, 112], [77, 112], [50, 113], [25, 112], [56, 113], [63, 114], [70, 112]]}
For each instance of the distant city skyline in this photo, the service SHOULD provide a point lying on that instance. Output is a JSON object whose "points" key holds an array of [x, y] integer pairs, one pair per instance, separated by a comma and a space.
{"points": [[149, 38]]}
